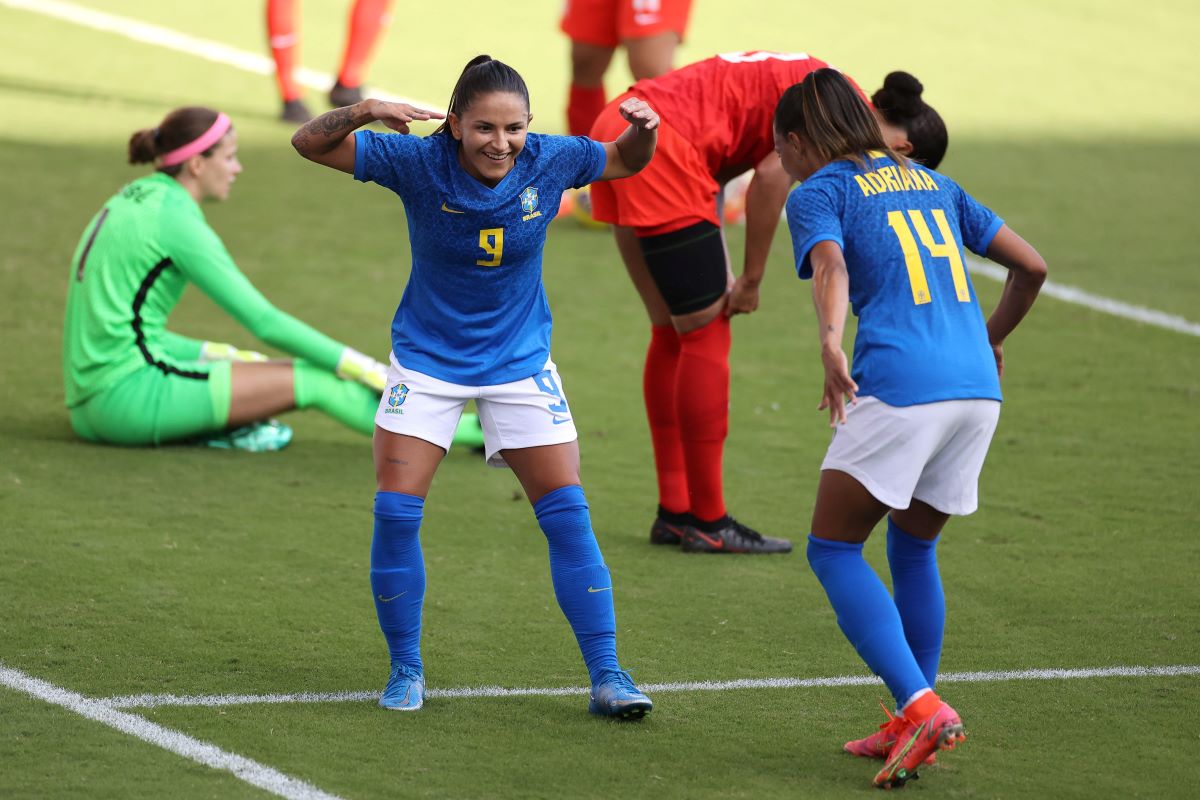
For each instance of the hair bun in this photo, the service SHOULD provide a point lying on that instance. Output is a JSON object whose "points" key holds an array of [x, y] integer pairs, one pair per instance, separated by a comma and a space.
{"points": [[901, 93]]}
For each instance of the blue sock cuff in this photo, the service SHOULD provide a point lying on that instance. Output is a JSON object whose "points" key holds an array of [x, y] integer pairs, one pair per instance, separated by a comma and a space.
{"points": [[829, 544], [902, 539], [564, 498], [397, 506]]}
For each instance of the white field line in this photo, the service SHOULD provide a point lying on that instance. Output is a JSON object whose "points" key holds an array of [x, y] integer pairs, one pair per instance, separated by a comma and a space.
{"points": [[1096, 302], [181, 744], [156, 700], [181, 42]]}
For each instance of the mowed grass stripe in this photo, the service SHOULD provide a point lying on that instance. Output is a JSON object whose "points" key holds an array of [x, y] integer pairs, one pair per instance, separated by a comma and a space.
{"points": [[244, 769], [259, 64], [1045, 674], [160, 36]]}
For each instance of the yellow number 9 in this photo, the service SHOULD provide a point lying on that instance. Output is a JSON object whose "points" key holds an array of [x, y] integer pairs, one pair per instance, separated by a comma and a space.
{"points": [[491, 240]]}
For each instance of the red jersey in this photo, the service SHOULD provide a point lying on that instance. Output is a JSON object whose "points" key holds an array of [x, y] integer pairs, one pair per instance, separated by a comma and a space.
{"points": [[725, 105]]}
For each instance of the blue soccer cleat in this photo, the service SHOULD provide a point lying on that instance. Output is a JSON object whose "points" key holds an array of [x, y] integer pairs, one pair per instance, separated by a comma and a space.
{"points": [[405, 690], [615, 695]]}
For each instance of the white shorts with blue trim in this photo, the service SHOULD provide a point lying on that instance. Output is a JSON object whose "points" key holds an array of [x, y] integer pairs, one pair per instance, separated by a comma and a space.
{"points": [[932, 452], [531, 412]]}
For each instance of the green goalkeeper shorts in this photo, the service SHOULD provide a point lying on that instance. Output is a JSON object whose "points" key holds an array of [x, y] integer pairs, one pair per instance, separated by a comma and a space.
{"points": [[150, 406]]}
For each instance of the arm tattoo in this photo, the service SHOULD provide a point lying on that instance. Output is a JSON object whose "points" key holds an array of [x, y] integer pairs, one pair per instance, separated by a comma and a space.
{"points": [[326, 131]]}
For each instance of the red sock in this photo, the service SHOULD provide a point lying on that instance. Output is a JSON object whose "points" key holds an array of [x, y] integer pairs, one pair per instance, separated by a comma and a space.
{"points": [[583, 106], [284, 39], [921, 709], [368, 18], [702, 401], [658, 388]]}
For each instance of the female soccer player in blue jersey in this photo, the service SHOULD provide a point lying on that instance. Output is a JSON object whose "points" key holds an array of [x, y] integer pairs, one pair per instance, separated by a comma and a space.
{"points": [[886, 235], [473, 323]]}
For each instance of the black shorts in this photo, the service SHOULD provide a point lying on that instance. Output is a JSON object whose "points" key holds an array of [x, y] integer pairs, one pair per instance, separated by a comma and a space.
{"points": [[688, 266]]}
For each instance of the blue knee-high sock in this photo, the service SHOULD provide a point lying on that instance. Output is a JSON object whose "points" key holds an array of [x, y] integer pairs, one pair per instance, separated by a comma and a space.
{"points": [[867, 615], [582, 582], [917, 589], [398, 574]]}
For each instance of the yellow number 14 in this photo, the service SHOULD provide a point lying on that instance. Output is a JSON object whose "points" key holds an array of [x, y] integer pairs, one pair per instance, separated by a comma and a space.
{"points": [[947, 248], [491, 240]]}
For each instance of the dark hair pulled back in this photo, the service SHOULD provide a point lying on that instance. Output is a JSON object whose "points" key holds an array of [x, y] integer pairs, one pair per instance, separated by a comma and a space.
{"points": [[482, 75], [181, 126], [828, 113], [900, 103]]}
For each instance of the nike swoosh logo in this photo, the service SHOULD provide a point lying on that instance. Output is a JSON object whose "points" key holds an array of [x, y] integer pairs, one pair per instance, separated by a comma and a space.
{"points": [[383, 599], [450, 210], [560, 420], [593, 590], [716, 544]]}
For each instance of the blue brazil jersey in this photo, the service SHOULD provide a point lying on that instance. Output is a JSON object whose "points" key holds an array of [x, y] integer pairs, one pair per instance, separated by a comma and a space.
{"points": [[474, 311], [921, 333]]}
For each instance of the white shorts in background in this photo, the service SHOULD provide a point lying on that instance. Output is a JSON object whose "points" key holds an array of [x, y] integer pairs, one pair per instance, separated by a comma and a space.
{"points": [[932, 452], [527, 413]]}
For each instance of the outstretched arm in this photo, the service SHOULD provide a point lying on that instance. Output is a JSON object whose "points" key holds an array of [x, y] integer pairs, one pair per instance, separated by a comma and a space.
{"points": [[765, 196], [327, 139], [1026, 274], [634, 148]]}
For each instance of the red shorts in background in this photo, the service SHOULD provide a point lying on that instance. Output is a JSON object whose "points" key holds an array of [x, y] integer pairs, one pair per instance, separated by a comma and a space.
{"points": [[674, 190], [607, 23]]}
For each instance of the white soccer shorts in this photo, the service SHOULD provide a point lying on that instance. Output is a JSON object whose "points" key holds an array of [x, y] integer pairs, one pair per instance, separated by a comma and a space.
{"points": [[527, 413], [932, 452]]}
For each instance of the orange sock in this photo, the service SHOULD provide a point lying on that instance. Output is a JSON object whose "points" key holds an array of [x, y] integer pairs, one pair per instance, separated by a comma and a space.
{"points": [[368, 18], [583, 106], [921, 709], [702, 403], [658, 389], [283, 36]]}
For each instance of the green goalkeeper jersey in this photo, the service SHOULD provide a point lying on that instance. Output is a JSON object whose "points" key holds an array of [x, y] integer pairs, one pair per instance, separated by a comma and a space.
{"points": [[131, 266]]}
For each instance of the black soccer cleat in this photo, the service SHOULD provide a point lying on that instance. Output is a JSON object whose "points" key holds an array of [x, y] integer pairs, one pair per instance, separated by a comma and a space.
{"points": [[341, 95], [295, 111], [669, 526], [727, 535]]}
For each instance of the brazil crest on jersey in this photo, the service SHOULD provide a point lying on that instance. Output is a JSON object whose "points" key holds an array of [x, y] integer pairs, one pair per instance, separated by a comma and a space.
{"points": [[921, 333], [474, 311]]}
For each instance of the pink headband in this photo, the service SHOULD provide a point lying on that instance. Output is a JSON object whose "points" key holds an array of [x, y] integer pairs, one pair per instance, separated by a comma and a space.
{"points": [[206, 140]]}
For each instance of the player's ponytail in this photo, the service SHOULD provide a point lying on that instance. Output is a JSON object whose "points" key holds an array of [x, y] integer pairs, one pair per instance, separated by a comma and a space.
{"points": [[482, 75], [828, 113], [900, 103], [180, 127]]}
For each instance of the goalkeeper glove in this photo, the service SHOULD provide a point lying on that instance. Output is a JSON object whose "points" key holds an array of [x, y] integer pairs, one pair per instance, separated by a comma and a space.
{"points": [[216, 351], [356, 366]]}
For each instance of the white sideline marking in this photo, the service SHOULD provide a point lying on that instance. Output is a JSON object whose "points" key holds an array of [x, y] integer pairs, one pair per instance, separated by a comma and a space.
{"points": [[181, 744], [174, 40], [156, 700], [1096, 302]]}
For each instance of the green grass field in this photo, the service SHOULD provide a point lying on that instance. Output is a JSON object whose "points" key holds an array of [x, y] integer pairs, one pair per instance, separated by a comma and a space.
{"points": [[188, 571]]}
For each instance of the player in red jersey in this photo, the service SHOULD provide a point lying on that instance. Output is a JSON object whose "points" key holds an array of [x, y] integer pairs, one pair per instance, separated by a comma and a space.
{"points": [[716, 124], [649, 29], [368, 18]]}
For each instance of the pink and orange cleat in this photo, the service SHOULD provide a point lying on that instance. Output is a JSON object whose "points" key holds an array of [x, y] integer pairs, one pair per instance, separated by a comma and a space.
{"points": [[940, 729]]}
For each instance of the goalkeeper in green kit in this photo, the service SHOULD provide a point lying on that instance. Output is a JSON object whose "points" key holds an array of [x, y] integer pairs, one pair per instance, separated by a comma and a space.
{"points": [[129, 380]]}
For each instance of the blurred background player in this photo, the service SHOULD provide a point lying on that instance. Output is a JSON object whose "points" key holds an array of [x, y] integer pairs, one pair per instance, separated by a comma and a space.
{"points": [[716, 125], [130, 381], [368, 18], [474, 323], [924, 394], [650, 30]]}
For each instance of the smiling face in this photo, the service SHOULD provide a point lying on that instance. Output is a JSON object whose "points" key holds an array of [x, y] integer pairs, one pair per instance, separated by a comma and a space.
{"points": [[492, 133], [215, 174]]}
